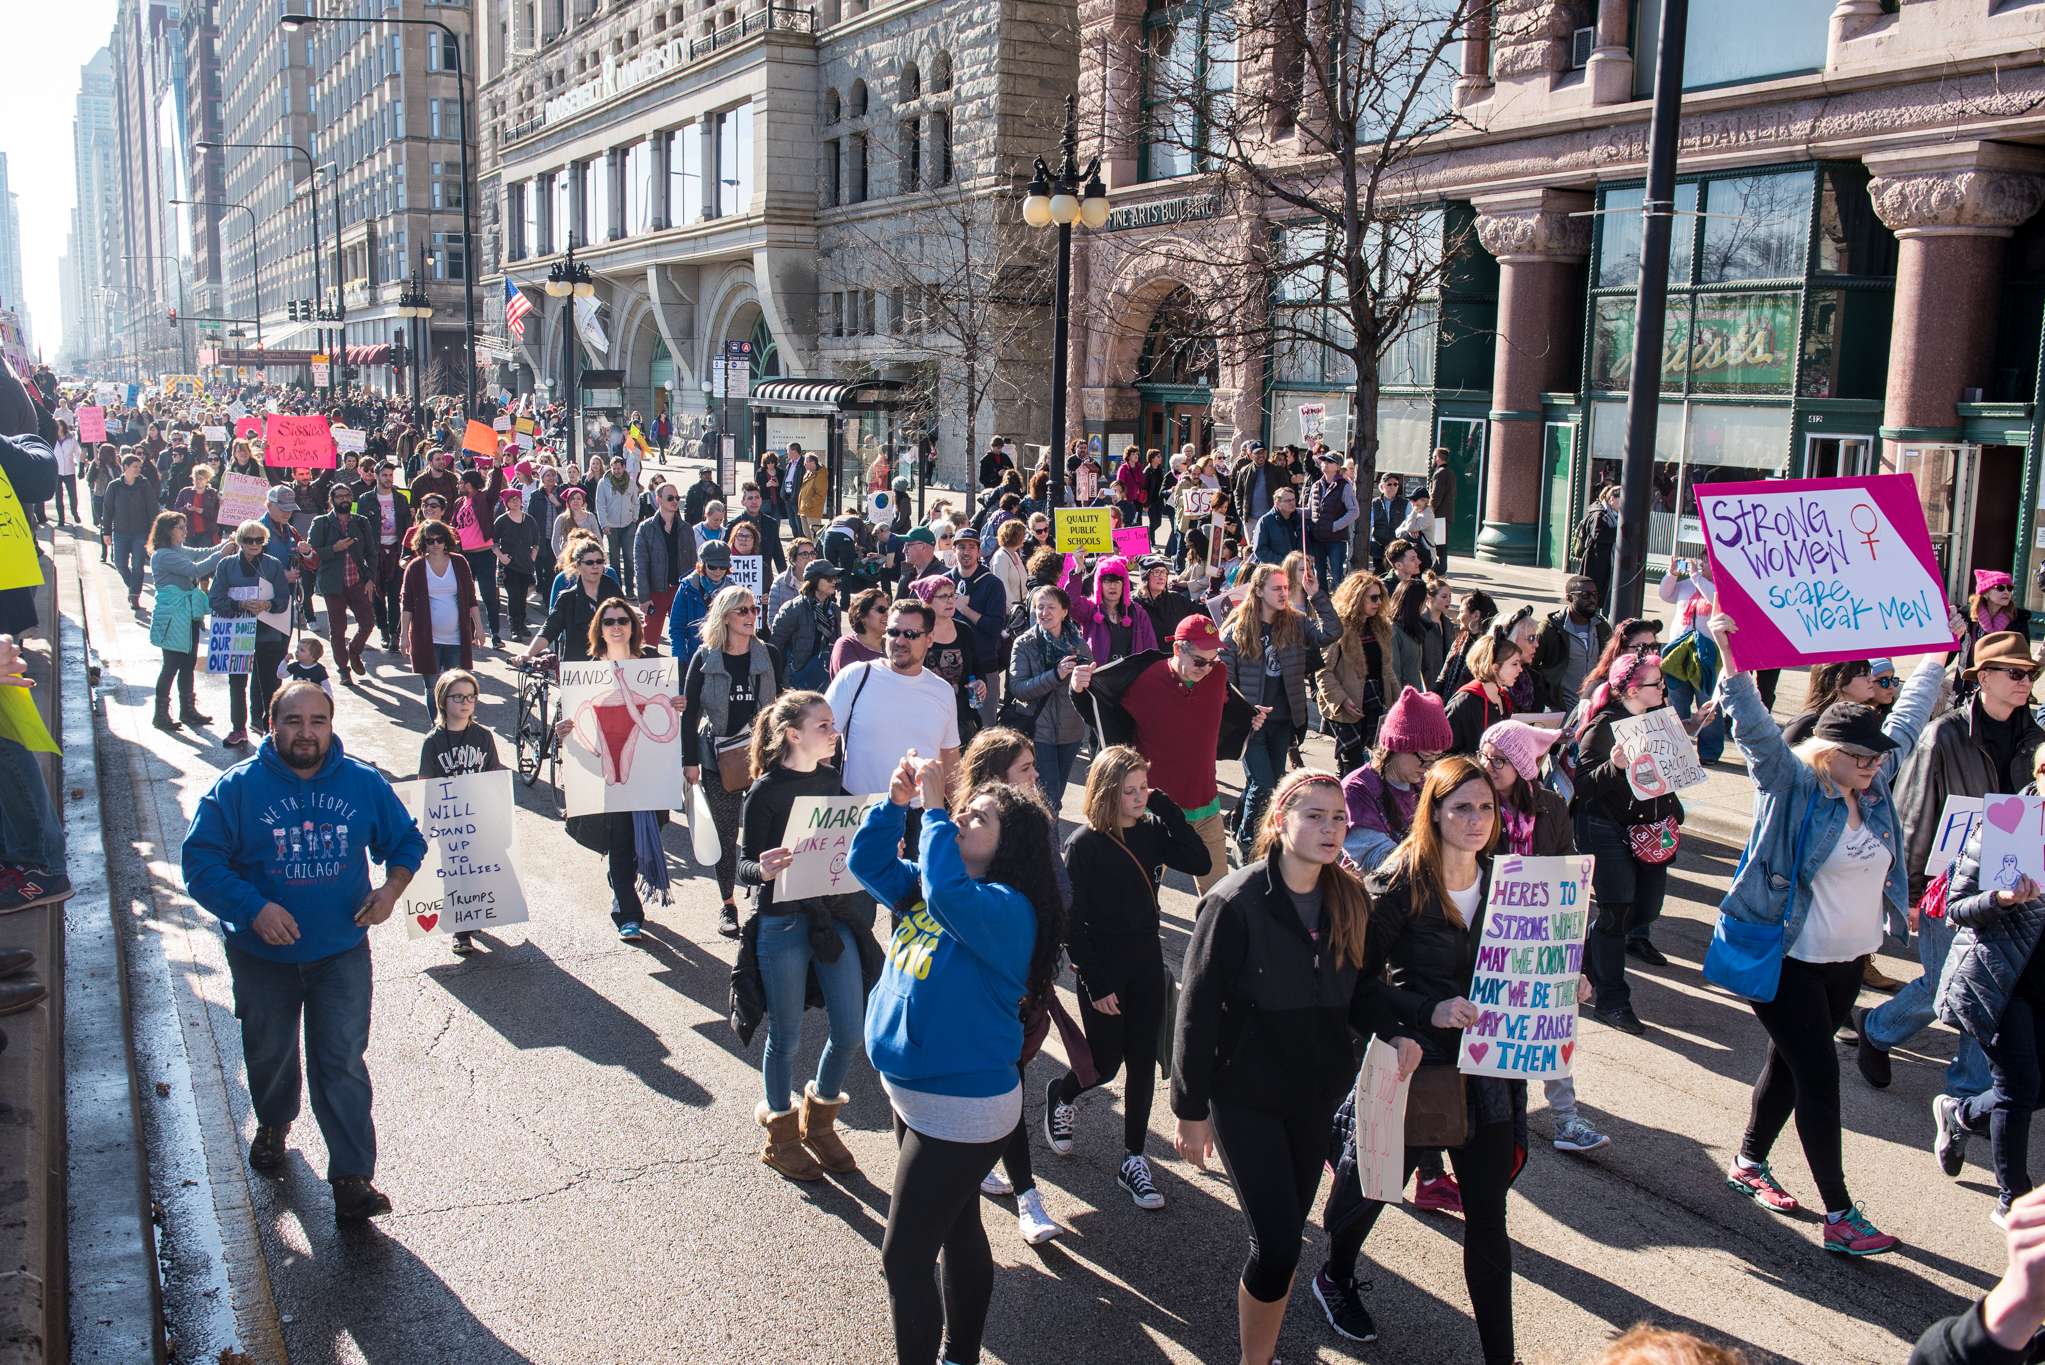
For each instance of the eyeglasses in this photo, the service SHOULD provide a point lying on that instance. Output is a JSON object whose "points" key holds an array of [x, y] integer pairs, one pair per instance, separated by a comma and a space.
{"points": [[2020, 674], [1867, 764], [901, 633], [1656, 686], [621, 621], [1492, 760], [453, 697], [944, 597]]}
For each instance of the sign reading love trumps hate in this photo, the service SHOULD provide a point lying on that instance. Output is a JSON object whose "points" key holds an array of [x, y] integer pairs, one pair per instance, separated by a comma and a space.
{"points": [[1823, 570], [1528, 958], [469, 877]]}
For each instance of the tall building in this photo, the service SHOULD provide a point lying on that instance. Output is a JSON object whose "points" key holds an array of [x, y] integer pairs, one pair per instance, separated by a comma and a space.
{"points": [[10, 249], [70, 354], [154, 256], [96, 221]]}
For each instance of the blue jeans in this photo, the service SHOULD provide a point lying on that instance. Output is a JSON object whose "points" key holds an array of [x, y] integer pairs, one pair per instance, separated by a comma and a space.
{"points": [[786, 958], [30, 831], [1908, 1013], [1054, 766], [332, 997], [131, 557], [1331, 561], [1711, 739], [444, 658], [1263, 764], [1629, 895], [2006, 1108]]}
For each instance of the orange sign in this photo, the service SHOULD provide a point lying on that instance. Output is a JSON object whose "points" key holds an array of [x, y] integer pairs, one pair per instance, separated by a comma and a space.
{"points": [[481, 439]]}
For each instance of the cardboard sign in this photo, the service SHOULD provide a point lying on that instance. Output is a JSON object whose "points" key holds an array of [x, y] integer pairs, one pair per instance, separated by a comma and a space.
{"points": [[749, 571], [625, 751], [92, 425], [237, 409], [2012, 841], [19, 566], [819, 834], [1663, 759], [350, 442], [1960, 818], [215, 435], [1528, 959], [1821, 570], [1381, 1123], [231, 644], [480, 438], [469, 879], [293, 441], [1082, 528], [1198, 500], [1132, 542], [243, 497]]}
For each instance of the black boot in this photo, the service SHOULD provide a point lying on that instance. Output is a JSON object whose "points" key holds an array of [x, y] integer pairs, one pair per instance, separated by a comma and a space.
{"points": [[164, 720]]}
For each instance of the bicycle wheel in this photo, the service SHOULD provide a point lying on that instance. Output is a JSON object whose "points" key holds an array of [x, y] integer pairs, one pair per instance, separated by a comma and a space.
{"points": [[554, 775], [531, 735]]}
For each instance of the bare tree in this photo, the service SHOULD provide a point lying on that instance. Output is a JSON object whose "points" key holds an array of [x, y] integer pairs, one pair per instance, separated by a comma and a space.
{"points": [[1312, 122]]}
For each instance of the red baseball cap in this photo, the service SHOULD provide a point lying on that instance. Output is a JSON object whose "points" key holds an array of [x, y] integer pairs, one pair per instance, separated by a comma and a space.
{"points": [[1198, 631]]}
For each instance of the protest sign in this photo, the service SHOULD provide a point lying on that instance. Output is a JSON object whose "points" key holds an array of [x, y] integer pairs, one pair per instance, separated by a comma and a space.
{"points": [[1528, 958], [1822, 570], [503, 423], [1662, 758], [231, 644], [1198, 501], [1381, 1123], [237, 409], [1226, 601], [19, 566], [1132, 542], [1960, 818], [92, 425], [748, 571], [1082, 528], [819, 834], [524, 426], [294, 441], [22, 723], [1086, 482], [2012, 841], [1311, 418], [625, 751], [243, 497], [469, 878], [350, 442], [247, 426], [215, 435], [480, 438]]}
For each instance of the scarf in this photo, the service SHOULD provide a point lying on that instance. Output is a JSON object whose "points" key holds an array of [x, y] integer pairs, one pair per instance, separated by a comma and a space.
{"points": [[650, 857], [1993, 621], [620, 482], [1056, 647], [1519, 828]]}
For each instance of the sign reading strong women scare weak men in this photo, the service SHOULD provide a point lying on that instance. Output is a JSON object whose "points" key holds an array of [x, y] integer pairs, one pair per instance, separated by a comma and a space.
{"points": [[1823, 570], [1528, 958]]}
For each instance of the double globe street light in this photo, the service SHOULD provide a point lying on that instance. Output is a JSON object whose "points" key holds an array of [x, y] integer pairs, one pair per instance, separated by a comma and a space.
{"points": [[568, 281], [1060, 200], [413, 302]]}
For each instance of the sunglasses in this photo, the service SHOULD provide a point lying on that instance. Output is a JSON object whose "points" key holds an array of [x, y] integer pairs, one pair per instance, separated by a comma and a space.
{"points": [[1888, 684], [1203, 663], [589, 563], [622, 621], [252, 540], [745, 611], [901, 633], [2020, 674]]}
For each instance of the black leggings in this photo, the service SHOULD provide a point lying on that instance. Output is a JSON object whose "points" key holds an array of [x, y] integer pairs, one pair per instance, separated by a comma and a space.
{"points": [[1130, 1037], [1274, 1162], [178, 667], [624, 871], [936, 1206], [250, 692], [483, 570], [1484, 1173], [1801, 1074], [518, 591], [1015, 1158]]}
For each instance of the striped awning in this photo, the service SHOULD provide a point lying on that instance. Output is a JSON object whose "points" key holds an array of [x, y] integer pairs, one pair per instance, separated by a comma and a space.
{"points": [[822, 396]]}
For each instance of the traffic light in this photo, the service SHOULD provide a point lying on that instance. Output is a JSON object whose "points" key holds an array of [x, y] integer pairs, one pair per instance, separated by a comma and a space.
{"points": [[173, 317], [291, 310]]}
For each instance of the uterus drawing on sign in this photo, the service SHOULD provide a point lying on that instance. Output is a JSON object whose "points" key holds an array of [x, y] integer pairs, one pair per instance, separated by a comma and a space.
{"points": [[610, 723]]}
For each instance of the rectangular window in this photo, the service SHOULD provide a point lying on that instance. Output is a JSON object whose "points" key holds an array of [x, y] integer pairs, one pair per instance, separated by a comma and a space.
{"points": [[433, 118], [544, 231], [912, 155], [578, 203], [436, 195], [685, 175], [834, 172], [450, 53], [940, 148], [858, 168], [433, 53], [734, 161], [869, 304], [1765, 237], [638, 166], [1619, 255], [601, 221], [896, 314]]}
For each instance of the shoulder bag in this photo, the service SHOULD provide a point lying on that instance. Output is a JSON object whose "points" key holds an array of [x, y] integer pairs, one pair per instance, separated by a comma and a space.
{"points": [[1437, 1108], [1746, 959]]}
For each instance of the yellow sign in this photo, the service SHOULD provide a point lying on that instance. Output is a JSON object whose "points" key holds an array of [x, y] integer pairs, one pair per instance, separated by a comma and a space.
{"points": [[19, 567], [22, 723], [1084, 528]]}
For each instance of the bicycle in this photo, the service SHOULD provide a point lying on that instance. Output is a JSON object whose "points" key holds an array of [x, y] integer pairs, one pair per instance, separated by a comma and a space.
{"points": [[535, 740]]}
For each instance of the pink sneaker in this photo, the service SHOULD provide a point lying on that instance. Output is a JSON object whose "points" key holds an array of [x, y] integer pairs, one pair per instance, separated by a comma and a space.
{"points": [[1856, 1236], [1439, 1195], [1758, 1183]]}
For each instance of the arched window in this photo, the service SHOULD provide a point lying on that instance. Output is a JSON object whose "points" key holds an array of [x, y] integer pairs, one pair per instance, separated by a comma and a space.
{"points": [[1179, 348], [831, 110], [940, 73], [855, 103], [912, 83]]}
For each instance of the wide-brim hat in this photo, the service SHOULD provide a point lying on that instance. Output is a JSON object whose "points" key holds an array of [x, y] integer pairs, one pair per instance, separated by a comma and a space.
{"points": [[2003, 647]]}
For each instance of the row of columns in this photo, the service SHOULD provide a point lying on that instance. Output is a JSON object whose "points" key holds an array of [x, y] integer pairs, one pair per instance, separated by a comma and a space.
{"points": [[1950, 206]]}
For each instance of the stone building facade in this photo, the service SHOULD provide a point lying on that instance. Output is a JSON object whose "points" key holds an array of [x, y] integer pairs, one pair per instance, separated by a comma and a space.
{"points": [[1858, 282]]}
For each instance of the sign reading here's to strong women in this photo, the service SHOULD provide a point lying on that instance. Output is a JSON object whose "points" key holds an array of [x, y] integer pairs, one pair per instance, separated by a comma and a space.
{"points": [[1821, 570], [1528, 958]]}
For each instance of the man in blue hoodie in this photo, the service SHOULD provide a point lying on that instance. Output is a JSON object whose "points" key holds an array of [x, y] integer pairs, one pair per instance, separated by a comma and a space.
{"points": [[279, 853]]}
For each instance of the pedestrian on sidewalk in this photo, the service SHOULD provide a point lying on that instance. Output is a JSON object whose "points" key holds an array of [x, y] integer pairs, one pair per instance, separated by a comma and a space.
{"points": [[1824, 821], [126, 514], [794, 744], [252, 582], [985, 939], [457, 745], [279, 853], [178, 616], [1571, 642], [33, 869]]}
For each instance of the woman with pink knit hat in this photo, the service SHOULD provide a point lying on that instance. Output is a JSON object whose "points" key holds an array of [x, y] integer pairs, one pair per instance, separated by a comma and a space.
{"points": [[1534, 822], [1113, 626], [1381, 794], [1990, 609]]}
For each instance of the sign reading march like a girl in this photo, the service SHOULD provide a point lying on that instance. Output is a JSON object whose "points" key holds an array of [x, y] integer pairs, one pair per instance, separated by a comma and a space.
{"points": [[1823, 570], [469, 878], [1528, 958], [624, 752], [819, 834]]}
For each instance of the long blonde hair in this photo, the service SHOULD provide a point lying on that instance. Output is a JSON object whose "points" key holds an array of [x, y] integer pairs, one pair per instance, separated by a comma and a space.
{"points": [[717, 619], [1419, 855], [1245, 626], [1104, 781], [1342, 894]]}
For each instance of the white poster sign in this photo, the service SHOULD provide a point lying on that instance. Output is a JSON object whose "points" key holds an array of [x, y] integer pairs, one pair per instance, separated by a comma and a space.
{"points": [[1960, 818], [1310, 419], [1528, 959], [2012, 841], [243, 497], [625, 750], [469, 879], [1661, 757], [1198, 500], [819, 834], [215, 435], [349, 442], [748, 572], [1381, 1123]]}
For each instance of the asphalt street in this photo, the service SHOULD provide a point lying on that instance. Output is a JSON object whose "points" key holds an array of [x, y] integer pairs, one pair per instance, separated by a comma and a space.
{"points": [[567, 1136]]}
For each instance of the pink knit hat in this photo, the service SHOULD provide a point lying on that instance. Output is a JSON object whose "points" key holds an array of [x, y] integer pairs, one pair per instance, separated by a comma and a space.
{"points": [[1522, 744], [1984, 579], [1416, 724], [926, 587], [1114, 566]]}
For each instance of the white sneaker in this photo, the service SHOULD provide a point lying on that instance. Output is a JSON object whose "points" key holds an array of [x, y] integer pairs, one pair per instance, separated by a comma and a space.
{"points": [[1031, 1221], [1134, 1177], [995, 1183]]}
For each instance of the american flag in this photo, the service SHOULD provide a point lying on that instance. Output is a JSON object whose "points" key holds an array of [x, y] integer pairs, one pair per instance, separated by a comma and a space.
{"points": [[515, 309]]}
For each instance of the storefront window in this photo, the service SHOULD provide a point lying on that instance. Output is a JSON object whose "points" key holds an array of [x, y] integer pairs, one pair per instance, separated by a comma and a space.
{"points": [[1612, 344], [1851, 239], [1620, 226], [1846, 343], [1405, 435], [1409, 360], [1756, 228], [1742, 343]]}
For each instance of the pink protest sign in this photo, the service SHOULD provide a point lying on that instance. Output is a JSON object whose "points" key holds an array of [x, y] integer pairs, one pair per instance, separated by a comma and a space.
{"points": [[1132, 541], [247, 426], [92, 425], [296, 442], [1820, 570]]}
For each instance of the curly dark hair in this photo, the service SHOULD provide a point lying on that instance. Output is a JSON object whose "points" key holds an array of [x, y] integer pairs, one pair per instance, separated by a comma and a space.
{"points": [[1022, 861]]}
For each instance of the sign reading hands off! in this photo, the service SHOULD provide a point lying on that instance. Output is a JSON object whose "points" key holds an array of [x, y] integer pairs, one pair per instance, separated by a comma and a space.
{"points": [[1822, 570]]}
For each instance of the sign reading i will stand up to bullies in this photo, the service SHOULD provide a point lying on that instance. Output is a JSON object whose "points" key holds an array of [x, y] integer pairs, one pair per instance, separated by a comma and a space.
{"points": [[1823, 570], [1528, 958]]}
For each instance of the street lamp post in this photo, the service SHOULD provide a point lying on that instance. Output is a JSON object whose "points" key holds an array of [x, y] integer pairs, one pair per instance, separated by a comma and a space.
{"points": [[414, 303], [255, 257], [293, 21], [312, 181], [568, 282], [1058, 201]]}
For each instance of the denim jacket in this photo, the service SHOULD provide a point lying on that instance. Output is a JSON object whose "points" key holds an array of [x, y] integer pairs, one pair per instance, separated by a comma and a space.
{"points": [[1785, 786]]}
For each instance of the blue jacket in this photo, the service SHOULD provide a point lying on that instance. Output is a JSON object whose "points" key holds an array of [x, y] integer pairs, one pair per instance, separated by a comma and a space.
{"points": [[1279, 536], [233, 571], [1991, 946], [264, 833], [945, 1018], [685, 617], [1785, 789]]}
